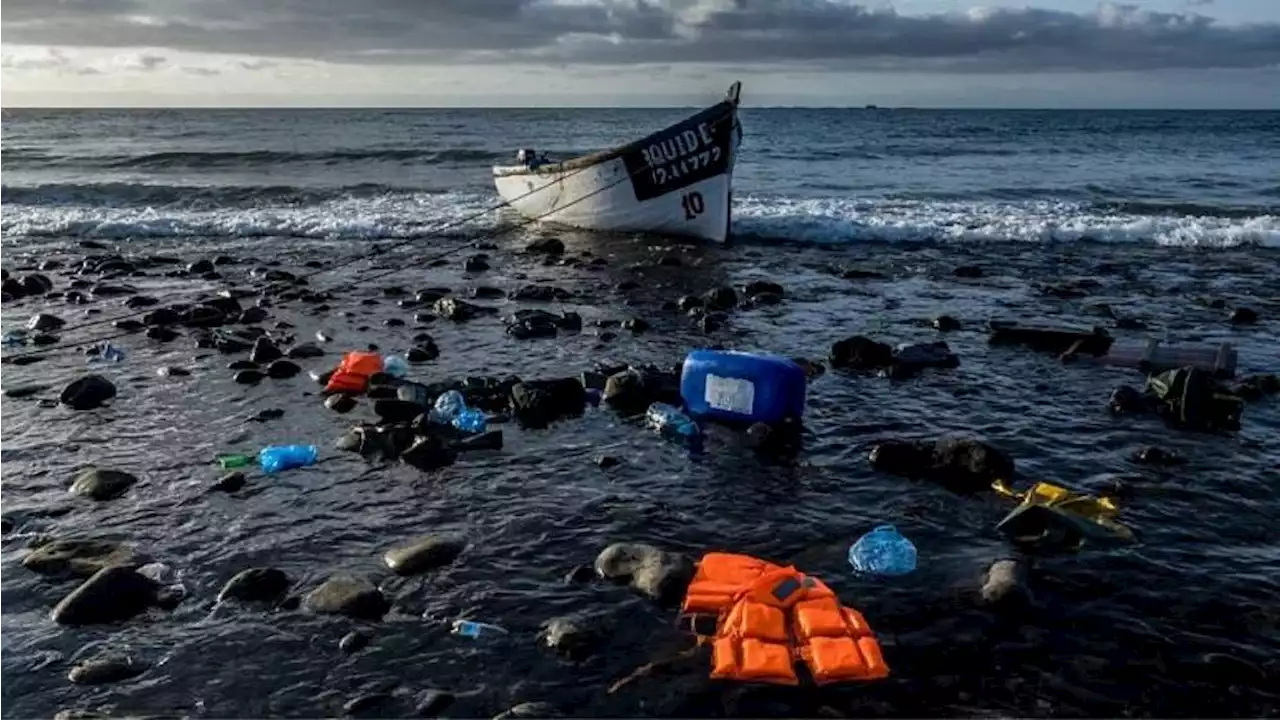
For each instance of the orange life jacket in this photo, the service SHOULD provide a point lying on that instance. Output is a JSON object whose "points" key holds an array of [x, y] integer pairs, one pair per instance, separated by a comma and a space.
{"points": [[352, 375], [773, 617]]}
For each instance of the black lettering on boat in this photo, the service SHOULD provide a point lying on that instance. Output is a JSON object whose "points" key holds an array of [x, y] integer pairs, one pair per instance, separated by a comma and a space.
{"points": [[693, 205], [681, 155]]}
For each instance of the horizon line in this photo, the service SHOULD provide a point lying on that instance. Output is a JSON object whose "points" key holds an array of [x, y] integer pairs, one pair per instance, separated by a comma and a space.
{"points": [[868, 106]]}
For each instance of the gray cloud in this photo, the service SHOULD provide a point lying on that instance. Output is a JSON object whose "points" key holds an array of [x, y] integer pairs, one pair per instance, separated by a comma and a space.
{"points": [[822, 33]]}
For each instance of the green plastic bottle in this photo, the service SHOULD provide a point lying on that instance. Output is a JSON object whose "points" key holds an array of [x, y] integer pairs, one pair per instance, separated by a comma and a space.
{"points": [[226, 462]]}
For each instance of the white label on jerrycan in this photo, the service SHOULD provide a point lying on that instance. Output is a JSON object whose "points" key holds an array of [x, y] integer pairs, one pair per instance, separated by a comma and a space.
{"points": [[731, 394]]}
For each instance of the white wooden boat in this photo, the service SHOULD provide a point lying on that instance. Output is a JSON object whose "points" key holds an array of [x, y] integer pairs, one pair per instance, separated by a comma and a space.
{"points": [[677, 181]]}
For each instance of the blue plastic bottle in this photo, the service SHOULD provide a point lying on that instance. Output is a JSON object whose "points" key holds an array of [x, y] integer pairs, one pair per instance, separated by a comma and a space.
{"points": [[669, 420], [276, 458], [474, 630], [449, 405], [742, 387], [470, 420], [395, 366], [883, 551]]}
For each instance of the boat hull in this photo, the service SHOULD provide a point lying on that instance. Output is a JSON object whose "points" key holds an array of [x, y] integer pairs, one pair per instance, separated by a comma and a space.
{"points": [[677, 181]]}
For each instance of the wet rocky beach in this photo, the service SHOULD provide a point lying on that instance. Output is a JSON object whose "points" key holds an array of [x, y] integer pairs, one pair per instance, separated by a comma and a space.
{"points": [[1184, 622]]}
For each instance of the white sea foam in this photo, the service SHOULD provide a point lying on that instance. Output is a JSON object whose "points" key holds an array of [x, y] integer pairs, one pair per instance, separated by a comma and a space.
{"points": [[839, 221], [833, 220]]}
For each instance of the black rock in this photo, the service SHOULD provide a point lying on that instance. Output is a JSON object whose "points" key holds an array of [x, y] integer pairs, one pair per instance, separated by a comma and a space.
{"points": [[112, 594], [968, 271], [426, 453], [36, 285], [41, 339], [540, 293], [635, 325], [394, 291], [281, 369], [723, 298], [394, 411], [946, 323], [203, 316], [960, 464], [430, 295], [1243, 316], [345, 595], [200, 267], [476, 264], [689, 302], [251, 315], [249, 377], [490, 293], [105, 290], [304, 351], [423, 352], [172, 371], [393, 322], [231, 482], [608, 461], [104, 670], [353, 641], [128, 325], [860, 353], [24, 391], [569, 321], [259, 584], [267, 415], [102, 484], [632, 391], [424, 554], [527, 324], [910, 360], [1151, 455], [87, 393], [161, 334], [539, 402], [546, 246], [77, 557], [340, 403], [264, 351], [162, 316], [662, 576], [763, 287], [423, 318], [44, 322]]}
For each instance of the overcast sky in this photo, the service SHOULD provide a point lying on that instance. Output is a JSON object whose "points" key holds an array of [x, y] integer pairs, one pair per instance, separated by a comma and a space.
{"points": [[992, 53]]}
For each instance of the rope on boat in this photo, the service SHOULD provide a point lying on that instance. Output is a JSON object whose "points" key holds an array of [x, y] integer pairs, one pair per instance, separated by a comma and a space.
{"points": [[498, 232]]}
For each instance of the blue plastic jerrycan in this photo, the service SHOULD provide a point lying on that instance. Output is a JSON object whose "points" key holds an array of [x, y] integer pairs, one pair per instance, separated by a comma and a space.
{"points": [[883, 551], [742, 387]]}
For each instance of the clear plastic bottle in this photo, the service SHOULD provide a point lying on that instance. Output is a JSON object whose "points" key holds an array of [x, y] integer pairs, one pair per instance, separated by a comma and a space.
{"points": [[395, 366], [106, 352], [286, 457], [449, 404], [471, 629], [470, 420], [883, 551], [670, 420]]}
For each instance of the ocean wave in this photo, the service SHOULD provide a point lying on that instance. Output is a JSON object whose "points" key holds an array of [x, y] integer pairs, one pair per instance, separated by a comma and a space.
{"points": [[407, 214], [127, 194], [248, 158], [831, 221], [395, 215]]}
